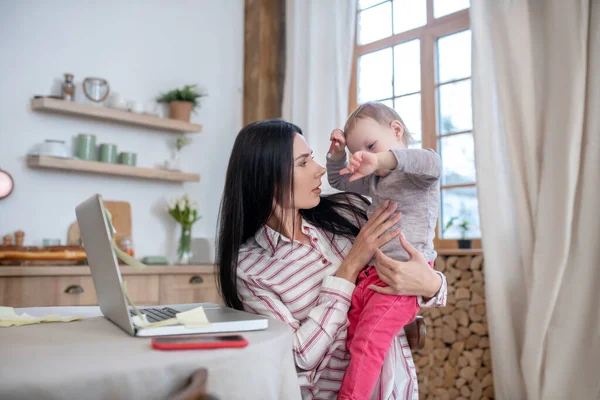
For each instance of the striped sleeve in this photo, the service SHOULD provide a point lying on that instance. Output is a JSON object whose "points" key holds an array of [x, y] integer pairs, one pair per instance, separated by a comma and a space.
{"points": [[439, 300], [313, 336]]}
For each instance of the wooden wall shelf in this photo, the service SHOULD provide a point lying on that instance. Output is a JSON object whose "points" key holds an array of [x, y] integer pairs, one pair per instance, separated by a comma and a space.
{"points": [[110, 169], [110, 114]]}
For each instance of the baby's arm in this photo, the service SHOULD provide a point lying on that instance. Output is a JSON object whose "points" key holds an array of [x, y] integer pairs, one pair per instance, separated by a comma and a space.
{"points": [[363, 164], [338, 162], [423, 165], [342, 182]]}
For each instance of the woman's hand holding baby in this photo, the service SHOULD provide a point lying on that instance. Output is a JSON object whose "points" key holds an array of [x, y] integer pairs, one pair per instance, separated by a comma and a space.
{"points": [[406, 278]]}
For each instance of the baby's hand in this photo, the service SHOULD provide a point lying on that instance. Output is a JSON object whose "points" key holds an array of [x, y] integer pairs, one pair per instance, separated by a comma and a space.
{"points": [[361, 164], [339, 146]]}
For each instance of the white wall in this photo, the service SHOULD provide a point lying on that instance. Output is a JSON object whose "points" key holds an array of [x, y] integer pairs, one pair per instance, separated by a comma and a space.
{"points": [[142, 48]]}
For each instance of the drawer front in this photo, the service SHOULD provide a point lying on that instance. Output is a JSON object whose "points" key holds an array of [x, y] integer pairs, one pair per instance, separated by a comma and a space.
{"points": [[142, 290], [188, 288], [43, 291], [47, 291]]}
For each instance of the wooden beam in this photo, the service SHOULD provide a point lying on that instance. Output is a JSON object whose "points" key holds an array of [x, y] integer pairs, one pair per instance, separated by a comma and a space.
{"points": [[264, 59]]}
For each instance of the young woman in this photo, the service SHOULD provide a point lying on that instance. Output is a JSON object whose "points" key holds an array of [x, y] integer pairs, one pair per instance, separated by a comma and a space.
{"points": [[287, 253]]}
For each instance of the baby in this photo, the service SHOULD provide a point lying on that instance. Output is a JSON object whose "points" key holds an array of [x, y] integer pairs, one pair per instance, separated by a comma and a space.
{"points": [[383, 168]]}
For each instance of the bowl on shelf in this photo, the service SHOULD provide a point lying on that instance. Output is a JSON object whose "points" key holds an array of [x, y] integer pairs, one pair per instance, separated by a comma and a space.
{"points": [[52, 148]]}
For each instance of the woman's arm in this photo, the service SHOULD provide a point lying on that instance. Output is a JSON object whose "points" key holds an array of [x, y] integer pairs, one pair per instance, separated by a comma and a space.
{"points": [[370, 238], [439, 299], [314, 336]]}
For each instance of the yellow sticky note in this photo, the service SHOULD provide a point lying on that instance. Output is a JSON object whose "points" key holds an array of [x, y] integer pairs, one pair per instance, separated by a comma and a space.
{"points": [[8, 317], [194, 318], [140, 321]]}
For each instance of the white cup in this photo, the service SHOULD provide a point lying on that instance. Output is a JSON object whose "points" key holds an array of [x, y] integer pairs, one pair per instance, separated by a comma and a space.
{"points": [[151, 108], [136, 107], [116, 101]]}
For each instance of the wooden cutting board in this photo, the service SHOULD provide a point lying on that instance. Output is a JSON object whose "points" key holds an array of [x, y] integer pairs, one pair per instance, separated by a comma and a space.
{"points": [[121, 218]]}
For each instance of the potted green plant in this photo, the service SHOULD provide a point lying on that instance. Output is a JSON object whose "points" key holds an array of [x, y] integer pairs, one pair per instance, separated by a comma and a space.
{"points": [[463, 226], [182, 101], [180, 143]]}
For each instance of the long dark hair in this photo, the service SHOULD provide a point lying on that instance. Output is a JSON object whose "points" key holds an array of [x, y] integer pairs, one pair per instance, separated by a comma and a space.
{"points": [[260, 172]]}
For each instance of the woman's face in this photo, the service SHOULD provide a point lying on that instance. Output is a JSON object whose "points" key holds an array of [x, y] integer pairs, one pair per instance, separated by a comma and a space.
{"points": [[307, 176]]}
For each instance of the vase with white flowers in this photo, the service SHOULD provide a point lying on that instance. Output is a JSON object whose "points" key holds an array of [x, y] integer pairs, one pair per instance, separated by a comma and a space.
{"points": [[185, 212]]}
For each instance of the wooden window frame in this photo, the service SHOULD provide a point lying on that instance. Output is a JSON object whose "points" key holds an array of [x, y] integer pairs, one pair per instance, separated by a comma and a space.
{"points": [[427, 35]]}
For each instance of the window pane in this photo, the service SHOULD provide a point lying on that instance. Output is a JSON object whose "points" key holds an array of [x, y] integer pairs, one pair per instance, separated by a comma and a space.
{"points": [[462, 204], [458, 161], [409, 109], [375, 23], [415, 145], [455, 107], [409, 14], [407, 68], [445, 7], [454, 56], [375, 76], [362, 4]]}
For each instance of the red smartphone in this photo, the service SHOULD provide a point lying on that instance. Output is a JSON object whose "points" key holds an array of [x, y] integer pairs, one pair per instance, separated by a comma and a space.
{"points": [[189, 342]]}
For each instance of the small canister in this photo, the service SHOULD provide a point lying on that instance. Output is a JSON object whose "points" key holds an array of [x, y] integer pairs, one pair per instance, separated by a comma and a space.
{"points": [[86, 147], [108, 153], [127, 158]]}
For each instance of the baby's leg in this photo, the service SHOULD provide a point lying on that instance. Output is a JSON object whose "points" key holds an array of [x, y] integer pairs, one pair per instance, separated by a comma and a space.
{"points": [[356, 305], [381, 319]]}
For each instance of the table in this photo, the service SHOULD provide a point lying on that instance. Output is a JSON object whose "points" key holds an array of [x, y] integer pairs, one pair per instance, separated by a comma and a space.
{"points": [[95, 359]]}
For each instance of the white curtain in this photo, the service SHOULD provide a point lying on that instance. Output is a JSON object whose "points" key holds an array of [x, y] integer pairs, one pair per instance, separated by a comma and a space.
{"points": [[319, 50], [536, 103]]}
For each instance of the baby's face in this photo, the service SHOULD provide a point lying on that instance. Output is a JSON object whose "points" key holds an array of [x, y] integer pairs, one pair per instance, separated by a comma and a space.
{"points": [[371, 136]]}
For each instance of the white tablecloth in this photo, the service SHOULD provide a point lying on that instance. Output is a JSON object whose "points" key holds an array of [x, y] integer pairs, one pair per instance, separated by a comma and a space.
{"points": [[95, 359]]}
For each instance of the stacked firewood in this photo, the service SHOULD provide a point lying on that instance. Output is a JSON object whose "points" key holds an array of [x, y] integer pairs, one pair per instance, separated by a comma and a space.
{"points": [[456, 361]]}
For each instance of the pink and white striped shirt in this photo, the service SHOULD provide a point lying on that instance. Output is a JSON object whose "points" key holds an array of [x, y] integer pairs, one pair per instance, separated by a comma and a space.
{"points": [[295, 283]]}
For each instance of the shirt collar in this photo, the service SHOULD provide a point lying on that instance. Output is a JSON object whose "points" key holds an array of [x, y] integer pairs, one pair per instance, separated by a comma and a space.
{"points": [[270, 240]]}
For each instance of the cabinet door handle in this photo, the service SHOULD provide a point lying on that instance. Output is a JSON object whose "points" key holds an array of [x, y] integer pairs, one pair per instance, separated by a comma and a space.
{"points": [[74, 289], [196, 280]]}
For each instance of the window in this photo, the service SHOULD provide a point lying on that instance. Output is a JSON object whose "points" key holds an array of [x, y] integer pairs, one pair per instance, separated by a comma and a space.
{"points": [[415, 56]]}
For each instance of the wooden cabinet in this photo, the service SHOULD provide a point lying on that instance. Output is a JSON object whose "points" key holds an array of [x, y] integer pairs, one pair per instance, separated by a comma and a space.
{"points": [[143, 289], [73, 285], [33, 291], [188, 288]]}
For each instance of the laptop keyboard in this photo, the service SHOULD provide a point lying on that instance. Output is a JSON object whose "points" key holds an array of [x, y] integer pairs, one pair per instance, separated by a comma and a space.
{"points": [[156, 314]]}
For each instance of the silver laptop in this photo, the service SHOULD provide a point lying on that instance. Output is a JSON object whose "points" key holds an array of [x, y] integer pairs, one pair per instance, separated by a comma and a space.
{"points": [[96, 237]]}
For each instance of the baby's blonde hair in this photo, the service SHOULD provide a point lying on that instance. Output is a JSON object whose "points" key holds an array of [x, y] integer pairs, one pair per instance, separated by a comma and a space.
{"points": [[379, 112]]}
